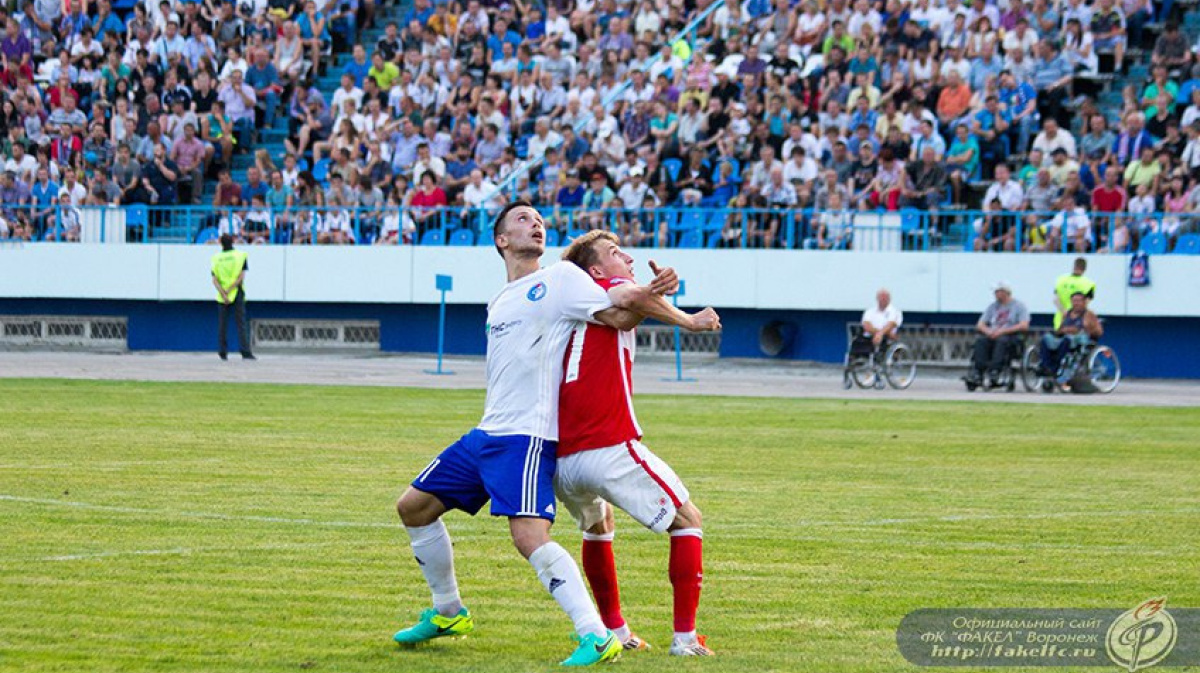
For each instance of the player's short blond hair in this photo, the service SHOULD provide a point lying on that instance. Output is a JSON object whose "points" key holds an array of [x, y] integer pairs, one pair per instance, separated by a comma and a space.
{"points": [[582, 251]]}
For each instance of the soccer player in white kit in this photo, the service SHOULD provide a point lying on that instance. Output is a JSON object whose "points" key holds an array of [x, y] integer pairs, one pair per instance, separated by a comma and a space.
{"points": [[601, 459], [510, 457]]}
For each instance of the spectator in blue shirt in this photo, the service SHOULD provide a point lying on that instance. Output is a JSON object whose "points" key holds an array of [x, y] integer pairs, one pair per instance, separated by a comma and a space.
{"points": [[573, 147], [1052, 78], [535, 29], [500, 35], [106, 22], [986, 65], [863, 114], [264, 79], [570, 195], [44, 194], [1020, 103], [359, 66], [314, 32], [990, 125], [420, 12]]}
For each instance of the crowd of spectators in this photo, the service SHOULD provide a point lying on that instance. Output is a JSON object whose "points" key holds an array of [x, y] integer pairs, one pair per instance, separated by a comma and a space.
{"points": [[829, 107]]}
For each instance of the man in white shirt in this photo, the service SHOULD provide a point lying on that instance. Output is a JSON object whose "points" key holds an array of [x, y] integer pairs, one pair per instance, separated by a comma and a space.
{"points": [[609, 147], [881, 321], [864, 14], [477, 190], [1005, 190], [543, 138], [427, 162], [802, 168], [21, 164], [633, 192], [1052, 138]]}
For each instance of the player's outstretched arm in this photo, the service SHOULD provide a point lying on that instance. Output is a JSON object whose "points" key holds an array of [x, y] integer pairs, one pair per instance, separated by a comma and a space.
{"points": [[643, 301]]}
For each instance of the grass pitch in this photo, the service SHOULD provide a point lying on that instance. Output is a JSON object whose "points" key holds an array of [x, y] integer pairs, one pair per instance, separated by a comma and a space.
{"points": [[209, 527]]}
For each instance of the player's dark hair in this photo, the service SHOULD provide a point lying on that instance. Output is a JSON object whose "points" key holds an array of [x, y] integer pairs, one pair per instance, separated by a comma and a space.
{"points": [[499, 225], [1080, 264], [226, 242]]}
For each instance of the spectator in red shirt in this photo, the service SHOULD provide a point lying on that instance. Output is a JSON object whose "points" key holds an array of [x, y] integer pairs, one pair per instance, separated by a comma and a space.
{"points": [[61, 90], [1108, 201], [426, 201], [1109, 197]]}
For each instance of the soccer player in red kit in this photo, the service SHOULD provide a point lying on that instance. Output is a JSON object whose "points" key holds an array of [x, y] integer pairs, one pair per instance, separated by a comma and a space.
{"points": [[601, 459]]}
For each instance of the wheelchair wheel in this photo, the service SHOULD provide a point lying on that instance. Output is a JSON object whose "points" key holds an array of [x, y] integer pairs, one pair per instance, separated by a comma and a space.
{"points": [[1029, 369], [900, 367], [863, 373], [1104, 369]]}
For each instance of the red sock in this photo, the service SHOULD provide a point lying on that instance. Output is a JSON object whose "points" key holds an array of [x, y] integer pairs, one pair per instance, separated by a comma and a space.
{"points": [[601, 571], [686, 570]]}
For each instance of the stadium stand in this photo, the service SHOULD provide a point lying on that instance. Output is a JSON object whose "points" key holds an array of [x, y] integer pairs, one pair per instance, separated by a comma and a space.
{"points": [[758, 123]]}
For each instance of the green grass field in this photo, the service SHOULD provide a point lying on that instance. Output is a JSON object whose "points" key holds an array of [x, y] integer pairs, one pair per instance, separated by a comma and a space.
{"points": [[208, 527]]}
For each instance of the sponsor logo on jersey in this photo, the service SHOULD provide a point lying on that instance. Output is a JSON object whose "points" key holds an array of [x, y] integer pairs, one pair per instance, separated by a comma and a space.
{"points": [[536, 292], [659, 517], [502, 328]]}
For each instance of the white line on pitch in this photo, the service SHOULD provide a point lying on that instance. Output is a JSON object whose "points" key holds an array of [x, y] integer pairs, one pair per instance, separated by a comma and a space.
{"points": [[198, 515], [948, 518], [181, 551]]}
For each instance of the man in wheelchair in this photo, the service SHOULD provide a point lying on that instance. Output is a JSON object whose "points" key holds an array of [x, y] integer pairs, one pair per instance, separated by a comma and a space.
{"points": [[1000, 331], [1079, 328], [879, 326]]}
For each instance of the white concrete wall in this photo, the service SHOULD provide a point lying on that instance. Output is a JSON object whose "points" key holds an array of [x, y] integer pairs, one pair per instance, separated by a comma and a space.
{"points": [[766, 279]]}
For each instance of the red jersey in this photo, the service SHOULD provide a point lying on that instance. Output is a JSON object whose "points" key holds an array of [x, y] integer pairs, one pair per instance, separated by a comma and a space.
{"points": [[595, 401]]}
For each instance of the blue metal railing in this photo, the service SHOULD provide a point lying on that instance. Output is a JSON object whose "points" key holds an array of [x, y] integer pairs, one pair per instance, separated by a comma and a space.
{"points": [[792, 229]]}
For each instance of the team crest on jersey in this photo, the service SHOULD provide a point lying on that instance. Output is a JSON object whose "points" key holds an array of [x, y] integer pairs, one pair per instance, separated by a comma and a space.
{"points": [[536, 292]]}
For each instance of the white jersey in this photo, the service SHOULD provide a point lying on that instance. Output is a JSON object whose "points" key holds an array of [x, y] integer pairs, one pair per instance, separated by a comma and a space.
{"points": [[529, 324], [874, 316]]}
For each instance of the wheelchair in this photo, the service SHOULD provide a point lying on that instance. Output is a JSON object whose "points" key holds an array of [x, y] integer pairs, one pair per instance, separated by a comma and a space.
{"points": [[869, 367], [1098, 364], [1013, 370]]}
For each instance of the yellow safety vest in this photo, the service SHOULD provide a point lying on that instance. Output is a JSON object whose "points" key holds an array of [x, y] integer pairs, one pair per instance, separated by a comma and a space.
{"points": [[1068, 285], [227, 265]]}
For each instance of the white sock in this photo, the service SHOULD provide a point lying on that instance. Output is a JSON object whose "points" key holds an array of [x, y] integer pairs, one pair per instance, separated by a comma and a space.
{"points": [[431, 547], [559, 574], [685, 638], [622, 632]]}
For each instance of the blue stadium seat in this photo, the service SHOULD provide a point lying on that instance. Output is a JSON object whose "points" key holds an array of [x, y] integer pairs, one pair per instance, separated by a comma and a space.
{"points": [[692, 220], [321, 171], [207, 234], [552, 238], [1188, 244], [673, 167], [433, 237], [714, 240], [135, 216], [716, 220], [571, 235], [521, 147], [692, 238], [1154, 244], [462, 237], [736, 175]]}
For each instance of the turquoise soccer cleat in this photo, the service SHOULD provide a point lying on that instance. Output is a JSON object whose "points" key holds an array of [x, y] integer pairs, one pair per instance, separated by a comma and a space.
{"points": [[432, 625], [595, 649]]}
